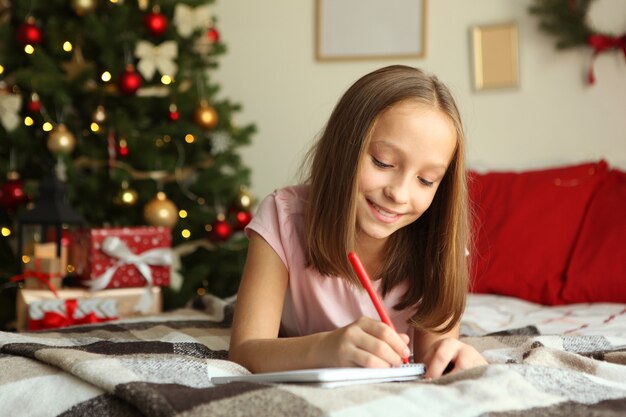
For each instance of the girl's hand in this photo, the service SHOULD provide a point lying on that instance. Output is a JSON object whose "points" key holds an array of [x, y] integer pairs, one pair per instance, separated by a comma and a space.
{"points": [[451, 355], [366, 343]]}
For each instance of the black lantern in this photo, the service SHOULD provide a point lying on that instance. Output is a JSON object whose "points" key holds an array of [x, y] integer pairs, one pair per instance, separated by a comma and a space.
{"points": [[51, 210]]}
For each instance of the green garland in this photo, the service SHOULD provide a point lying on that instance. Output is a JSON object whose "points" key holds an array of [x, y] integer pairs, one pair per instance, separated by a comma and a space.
{"points": [[565, 19]]}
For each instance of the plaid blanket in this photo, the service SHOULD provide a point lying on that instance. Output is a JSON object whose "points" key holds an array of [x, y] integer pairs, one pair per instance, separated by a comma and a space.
{"points": [[162, 366]]}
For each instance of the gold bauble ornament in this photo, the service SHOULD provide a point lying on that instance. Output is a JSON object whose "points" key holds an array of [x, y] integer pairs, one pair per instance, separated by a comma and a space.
{"points": [[127, 196], [61, 140], [245, 200], [161, 211], [82, 7], [206, 116]]}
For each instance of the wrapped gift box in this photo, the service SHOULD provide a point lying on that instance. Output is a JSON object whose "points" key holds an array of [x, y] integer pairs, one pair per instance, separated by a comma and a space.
{"points": [[48, 250], [122, 257], [57, 313], [42, 274], [129, 302]]}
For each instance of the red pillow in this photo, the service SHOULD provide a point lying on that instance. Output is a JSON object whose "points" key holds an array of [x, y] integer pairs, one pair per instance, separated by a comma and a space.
{"points": [[525, 228], [597, 271]]}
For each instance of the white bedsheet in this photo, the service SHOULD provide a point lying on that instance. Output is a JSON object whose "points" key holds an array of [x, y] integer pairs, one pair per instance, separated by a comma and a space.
{"points": [[487, 313]]}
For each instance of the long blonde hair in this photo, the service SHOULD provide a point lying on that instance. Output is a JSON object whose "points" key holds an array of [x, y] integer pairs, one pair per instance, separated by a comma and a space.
{"points": [[429, 253]]}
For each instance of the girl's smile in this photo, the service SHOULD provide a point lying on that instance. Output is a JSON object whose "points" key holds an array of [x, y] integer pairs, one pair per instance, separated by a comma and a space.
{"points": [[385, 215]]}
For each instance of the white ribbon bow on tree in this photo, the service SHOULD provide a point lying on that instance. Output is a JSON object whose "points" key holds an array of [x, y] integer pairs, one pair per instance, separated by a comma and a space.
{"points": [[10, 105], [117, 248], [188, 19], [153, 57]]}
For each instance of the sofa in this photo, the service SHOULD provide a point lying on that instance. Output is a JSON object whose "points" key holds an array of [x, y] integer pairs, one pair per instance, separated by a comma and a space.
{"points": [[551, 236]]}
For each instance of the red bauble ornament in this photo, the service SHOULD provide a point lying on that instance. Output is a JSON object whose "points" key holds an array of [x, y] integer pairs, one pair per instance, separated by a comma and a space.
{"points": [[242, 218], [156, 23], [122, 147], [33, 106], [129, 81], [29, 34], [221, 230], [214, 35], [174, 115], [122, 151], [12, 193]]}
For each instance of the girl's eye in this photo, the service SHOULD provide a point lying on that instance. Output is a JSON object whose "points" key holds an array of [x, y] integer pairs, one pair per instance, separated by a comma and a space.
{"points": [[426, 182], [380, 164]]}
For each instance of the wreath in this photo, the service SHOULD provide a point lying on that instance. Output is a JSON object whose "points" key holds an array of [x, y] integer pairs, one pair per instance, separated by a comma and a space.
{"points": [[567, 20]]}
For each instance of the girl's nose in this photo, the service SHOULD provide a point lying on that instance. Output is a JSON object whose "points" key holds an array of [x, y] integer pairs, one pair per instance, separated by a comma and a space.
{"points": [[397, 192]]}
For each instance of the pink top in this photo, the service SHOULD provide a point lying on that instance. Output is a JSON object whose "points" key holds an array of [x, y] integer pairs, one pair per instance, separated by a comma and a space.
{"points": [[314, 303]]}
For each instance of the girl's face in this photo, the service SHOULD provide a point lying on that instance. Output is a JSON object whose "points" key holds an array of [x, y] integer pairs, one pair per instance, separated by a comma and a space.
{"points": [[411, 147]]}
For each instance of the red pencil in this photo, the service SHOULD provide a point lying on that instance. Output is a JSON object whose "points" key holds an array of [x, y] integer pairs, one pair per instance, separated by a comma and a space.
{"points": [[367, 284]]}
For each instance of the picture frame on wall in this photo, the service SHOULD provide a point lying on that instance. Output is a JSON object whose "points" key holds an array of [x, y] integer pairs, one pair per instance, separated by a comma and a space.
{"points": [[370, 29], [496, 56]]}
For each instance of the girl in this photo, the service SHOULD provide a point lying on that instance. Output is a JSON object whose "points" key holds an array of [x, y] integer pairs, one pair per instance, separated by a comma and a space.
{"points": [[386, 180]]}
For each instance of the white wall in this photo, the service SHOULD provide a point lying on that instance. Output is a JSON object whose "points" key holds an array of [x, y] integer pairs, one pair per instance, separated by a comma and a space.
{"points": [[552, 118]]}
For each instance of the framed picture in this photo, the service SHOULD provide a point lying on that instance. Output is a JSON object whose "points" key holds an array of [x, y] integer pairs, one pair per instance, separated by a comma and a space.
{"points": [[496, 56], [370, 29]]}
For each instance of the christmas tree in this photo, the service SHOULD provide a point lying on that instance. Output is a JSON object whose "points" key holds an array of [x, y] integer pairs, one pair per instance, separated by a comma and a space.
{"points": [[115, 97]]}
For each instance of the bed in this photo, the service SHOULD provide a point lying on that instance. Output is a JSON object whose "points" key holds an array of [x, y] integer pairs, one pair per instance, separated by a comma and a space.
{"points": [[557, 361], [547, 237]]}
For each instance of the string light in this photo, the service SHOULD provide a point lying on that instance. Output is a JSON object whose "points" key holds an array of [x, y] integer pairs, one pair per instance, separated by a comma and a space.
{"points": [[95, 127], [106, 76], [245, 200], [185, 233], [29, 49], [25, 259], [189, 138], [166, 80], [5, 231], [182, 214], [129, 197], [1, 69], [67, 46], [28, 121], [47, 127]]}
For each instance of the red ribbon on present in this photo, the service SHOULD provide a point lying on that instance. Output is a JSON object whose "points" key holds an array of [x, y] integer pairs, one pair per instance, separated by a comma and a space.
{"points": [[54, 320], [42, 277], [602, 43]]}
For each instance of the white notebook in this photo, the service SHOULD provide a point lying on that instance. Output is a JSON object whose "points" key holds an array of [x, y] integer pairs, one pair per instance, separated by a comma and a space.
{"points": [[332, 377]]}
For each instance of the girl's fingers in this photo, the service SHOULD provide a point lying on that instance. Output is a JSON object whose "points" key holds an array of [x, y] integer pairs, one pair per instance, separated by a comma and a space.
{"points": [[438, 363], [383, 341], [380, 353], [365, 342], [451, 355], [367, 359]]}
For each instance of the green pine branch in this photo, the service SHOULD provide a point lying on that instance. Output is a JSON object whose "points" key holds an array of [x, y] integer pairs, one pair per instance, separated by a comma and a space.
{"points": [[70, 90]]}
